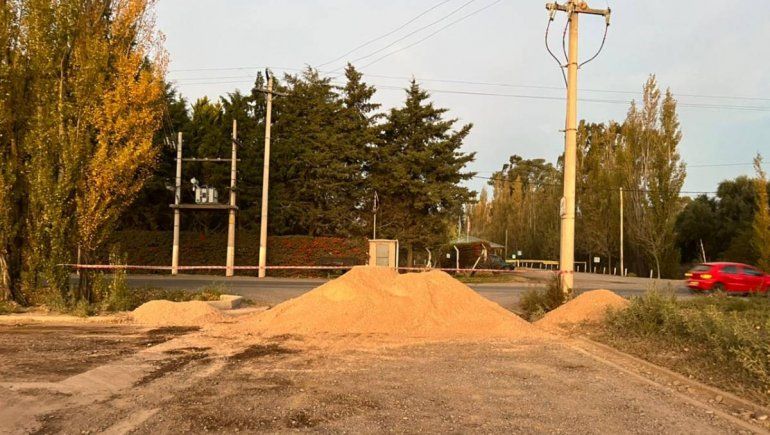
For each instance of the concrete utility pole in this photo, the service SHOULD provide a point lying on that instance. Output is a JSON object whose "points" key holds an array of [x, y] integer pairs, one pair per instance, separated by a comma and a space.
{"points": [[229, 269], [567, 249], [622, 267], [177, 201], [265, 179]]}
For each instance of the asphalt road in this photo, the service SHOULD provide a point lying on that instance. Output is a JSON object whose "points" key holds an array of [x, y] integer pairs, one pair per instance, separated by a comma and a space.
{"points": [[275, 290]]}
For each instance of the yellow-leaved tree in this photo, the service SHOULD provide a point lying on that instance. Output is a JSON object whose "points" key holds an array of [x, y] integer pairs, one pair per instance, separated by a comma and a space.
{"points": [[125, 121], [82, 93]]}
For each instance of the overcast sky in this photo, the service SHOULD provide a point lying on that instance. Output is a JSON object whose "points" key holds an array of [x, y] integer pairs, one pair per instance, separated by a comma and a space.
{"points": [[712, 54]]}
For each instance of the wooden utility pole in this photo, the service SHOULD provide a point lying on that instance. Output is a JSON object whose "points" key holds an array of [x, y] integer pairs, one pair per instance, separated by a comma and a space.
{"points": [[177, 201], [567, 249], [622, 266], [265, 179], [229, 269]]}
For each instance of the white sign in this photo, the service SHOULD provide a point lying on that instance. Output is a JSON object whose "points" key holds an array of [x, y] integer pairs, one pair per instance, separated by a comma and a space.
{"points": [[518, 253], [597, 260]]}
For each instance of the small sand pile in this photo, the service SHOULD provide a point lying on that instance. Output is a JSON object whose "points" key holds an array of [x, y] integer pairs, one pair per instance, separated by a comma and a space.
{"points": [[166, 313], [589, 307], [379, 301]]}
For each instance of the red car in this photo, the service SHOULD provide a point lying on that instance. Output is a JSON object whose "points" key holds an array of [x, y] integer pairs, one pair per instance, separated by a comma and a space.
{"points": [[729, 277]]}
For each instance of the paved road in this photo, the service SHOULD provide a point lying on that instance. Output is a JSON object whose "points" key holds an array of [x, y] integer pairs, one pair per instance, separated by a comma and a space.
{"points": [[275, 290]]}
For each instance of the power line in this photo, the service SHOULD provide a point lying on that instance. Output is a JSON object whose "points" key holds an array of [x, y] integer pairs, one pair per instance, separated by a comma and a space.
{"points": [[548, 48], [609, 189], [457, 81], [715, 165], [535, 97], [371, 41], [412, 33], [433, 34]]}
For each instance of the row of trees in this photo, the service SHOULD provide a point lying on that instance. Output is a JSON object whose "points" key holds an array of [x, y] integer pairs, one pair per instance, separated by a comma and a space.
{"points": [[662, 228], [734, 225], [639, 155], [332, 149], [82, 94]]}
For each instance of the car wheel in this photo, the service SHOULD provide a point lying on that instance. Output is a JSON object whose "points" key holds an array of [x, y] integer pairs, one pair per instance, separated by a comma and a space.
{"points": [[717, 288]]}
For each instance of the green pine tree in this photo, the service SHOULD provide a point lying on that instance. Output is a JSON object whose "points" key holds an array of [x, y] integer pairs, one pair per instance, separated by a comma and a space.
{"points": [[417, 171]]}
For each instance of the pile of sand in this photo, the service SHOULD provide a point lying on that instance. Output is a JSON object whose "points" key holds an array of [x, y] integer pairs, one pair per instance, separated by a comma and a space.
{"points": [[379, 301], [166, 313], [589, 307]]}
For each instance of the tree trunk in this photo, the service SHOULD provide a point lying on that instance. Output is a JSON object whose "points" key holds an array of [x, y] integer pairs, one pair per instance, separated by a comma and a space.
{"points": [[409, 255], [10, 272], [5, 280], [85, 281]]}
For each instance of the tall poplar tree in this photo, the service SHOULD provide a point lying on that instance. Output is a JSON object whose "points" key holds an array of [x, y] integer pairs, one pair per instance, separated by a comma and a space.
{"points": [[654, 174], [599, 180], [87, 82], [761, 224]]}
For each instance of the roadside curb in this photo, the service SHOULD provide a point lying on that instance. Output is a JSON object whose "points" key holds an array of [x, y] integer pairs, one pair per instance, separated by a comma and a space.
{"points": [[724, 404]]}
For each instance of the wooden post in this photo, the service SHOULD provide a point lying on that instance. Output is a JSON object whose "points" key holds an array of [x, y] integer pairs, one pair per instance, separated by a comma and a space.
{"points": [[229, 270], [177, 201]]}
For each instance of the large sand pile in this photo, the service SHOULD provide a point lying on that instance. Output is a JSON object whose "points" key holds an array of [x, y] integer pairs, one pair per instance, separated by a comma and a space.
{"points": [[166, 313], [377, 300], [589, 307]]}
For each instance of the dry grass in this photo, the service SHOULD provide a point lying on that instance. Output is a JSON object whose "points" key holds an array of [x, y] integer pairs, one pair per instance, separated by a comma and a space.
{"points": [[723, 341]]}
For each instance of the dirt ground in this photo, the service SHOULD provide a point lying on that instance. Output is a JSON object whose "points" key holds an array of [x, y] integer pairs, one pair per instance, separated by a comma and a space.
{"points": [[85, 378]]}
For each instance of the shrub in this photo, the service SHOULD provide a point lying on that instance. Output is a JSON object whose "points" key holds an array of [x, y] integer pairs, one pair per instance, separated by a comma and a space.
{"points": [[536, 302], [9, 308], [655, 313], [729, 336]]}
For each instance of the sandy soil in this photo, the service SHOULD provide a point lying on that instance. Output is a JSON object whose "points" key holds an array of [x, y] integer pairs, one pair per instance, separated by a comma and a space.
{"points": [[199, 383], [589, 307]]}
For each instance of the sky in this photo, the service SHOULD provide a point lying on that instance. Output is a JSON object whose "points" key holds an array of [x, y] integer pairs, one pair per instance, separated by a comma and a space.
{"points": [[711, 54]]}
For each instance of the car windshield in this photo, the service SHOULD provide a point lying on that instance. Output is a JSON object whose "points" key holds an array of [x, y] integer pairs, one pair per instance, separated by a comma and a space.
{"points": [[701, 268]]}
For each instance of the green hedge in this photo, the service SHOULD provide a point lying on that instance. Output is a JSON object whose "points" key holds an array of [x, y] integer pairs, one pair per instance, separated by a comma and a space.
{"points": [[153, 248]]}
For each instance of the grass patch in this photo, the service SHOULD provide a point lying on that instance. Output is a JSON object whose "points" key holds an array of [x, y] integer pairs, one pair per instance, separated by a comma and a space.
{"points": [[10, 308], [536, 302], [723, 341]]}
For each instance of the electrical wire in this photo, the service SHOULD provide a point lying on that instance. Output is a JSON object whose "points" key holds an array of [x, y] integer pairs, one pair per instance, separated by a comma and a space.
{"points": [[533, 97], [468, 82], [604, 38], [547, 47], [609, 189], [432, 34], [564, 38], [464, 5], [371, 41]]}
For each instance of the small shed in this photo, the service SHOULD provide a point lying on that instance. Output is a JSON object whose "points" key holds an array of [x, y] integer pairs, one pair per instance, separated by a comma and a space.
{"points": [[470, 250]]}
